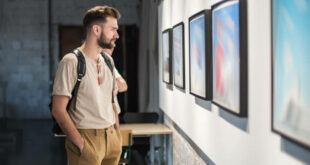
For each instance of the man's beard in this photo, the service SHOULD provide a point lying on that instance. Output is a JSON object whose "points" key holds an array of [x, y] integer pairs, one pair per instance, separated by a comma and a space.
{"points": [[103, 44]]}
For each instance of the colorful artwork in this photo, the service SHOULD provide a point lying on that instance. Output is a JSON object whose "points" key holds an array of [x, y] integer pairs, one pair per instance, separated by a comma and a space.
{"points": [[226, 55], [166, 57], [291, 69], [178, 55], [197, 56]]}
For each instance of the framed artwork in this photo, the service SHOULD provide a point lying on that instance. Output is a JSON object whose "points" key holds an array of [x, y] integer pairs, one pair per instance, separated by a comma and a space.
{"points": [[200, 55], [178, 55], [291, 70], [229, 45], [167, 57]]}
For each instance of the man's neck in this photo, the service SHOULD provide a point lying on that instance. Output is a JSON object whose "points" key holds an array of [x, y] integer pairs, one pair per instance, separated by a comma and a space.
{"points": [[107, 51], [91, 50]]}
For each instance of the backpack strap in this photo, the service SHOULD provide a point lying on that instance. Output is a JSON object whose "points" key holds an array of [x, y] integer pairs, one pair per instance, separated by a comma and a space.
{"points": [[107, 61], [110, 65], [81, 70]]}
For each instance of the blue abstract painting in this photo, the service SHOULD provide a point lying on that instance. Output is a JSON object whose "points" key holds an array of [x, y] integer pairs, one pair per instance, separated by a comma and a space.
{"points": [[291, 69], [226, 55], [198, 56]]}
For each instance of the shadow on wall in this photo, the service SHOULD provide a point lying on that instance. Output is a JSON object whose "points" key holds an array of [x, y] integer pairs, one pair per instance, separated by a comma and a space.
{"points": [[239, 122], [180, 89], [203, 103], [295, 150], [169, 86]]}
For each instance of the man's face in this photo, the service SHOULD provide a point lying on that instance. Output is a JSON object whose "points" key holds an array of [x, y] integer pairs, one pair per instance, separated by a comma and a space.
{"points": [[109, 34]]}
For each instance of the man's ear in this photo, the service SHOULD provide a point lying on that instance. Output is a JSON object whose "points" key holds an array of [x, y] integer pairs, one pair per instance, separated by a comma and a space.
{"points": [[96, 30]]}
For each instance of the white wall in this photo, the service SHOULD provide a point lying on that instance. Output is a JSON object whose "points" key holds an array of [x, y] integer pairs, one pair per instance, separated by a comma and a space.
{"points": [[223, 137]]}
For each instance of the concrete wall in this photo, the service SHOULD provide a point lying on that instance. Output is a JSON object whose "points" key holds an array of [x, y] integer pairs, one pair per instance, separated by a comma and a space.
{"points": [[24, 57], [24, 48], [183, 150], [222, 137]]}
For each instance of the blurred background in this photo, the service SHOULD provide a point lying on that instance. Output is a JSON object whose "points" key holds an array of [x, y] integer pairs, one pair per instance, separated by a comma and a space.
{"points": [[34, 36]]}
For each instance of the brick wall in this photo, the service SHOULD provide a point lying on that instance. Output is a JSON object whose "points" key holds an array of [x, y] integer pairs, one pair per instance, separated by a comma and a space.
{"points": [[24, 48], [24, 58]]}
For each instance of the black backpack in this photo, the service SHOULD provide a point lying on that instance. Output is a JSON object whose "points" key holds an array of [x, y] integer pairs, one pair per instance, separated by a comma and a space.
{"points": [[81, 70]]}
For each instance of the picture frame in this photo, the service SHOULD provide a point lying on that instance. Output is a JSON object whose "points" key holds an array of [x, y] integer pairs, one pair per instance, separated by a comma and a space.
{"points": [[290, 71], [230, 65], [200, 55], [166, 56], [178, 55]]}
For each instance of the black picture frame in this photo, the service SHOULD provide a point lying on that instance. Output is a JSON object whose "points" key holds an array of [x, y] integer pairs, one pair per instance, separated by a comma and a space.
{"points": [[243, 67], [167, 62], [181, 84], [207, 92], [294, 137]]}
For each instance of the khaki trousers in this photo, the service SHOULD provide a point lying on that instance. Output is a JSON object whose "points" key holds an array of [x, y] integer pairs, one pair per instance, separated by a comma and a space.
{"points": [[101, 147]]}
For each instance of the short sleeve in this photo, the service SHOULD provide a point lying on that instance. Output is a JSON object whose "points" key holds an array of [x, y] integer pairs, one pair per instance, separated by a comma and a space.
{"points": [[118, 108], [66, 76], [117, 75]]}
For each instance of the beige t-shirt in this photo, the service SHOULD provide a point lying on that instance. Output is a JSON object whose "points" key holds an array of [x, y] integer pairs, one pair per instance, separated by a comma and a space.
{"points": [[117, 75], [94, 102]]}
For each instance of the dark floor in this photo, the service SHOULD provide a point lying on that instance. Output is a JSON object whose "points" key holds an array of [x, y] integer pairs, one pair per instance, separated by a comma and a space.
{"points": [[29, 142]]}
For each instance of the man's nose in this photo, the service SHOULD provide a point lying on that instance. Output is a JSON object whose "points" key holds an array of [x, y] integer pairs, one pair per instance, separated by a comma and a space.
{"points": [[116, 35]]}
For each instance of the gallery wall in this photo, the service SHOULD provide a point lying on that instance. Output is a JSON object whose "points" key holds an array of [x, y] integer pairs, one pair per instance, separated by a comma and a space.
{"points": [[226, 138]]}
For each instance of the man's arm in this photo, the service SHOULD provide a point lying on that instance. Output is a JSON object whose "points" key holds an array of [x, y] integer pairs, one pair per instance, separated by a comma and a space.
{"points": [[116, 125], [121, 84], [64, 121]]}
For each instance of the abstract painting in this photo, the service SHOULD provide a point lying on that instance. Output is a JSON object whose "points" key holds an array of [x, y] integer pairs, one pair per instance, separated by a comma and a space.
{"points": [[166, 58], [178, 55], [291, 69], [200, 55], [227, 56]]}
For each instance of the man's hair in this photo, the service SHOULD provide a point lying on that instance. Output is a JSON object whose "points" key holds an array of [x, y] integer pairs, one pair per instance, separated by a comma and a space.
{"points": [[98, 14]]}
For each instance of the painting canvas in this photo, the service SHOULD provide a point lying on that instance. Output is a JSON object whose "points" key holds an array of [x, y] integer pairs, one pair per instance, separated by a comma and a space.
{"points": [[226, 66], [200, 54], [229, 57], [197, 56], [178, 55], [166, 58], [291, 69]]}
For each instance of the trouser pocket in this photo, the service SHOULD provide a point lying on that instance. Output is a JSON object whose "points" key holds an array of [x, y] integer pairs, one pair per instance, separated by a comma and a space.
{"points": [[72, 147], [114, 143]]}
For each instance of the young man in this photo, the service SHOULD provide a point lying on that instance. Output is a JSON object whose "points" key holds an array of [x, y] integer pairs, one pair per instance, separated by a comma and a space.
{"points": [[92, 128]]}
